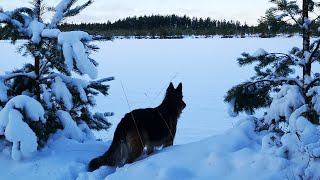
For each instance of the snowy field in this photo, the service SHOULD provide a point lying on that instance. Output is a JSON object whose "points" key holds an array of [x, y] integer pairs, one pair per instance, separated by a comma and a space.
{"points": [[207, 68]]}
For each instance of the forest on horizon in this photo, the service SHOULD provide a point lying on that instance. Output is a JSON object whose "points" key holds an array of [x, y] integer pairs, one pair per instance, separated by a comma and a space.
{"points": [[174, 26]]}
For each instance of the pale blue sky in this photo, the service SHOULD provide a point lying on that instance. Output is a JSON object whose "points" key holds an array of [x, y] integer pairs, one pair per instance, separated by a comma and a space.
{"points": [[102, 10]]}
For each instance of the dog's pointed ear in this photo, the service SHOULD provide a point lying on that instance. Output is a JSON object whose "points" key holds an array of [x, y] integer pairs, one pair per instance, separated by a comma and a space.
{"points": [[170, 88], [179, 88]]}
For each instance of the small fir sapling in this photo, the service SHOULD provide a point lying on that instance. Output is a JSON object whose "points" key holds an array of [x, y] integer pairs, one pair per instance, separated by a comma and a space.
{"points": [[49, 81]]}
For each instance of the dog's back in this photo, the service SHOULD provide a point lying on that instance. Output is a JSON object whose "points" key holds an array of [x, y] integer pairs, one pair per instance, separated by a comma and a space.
{"points": [[143, 128]]}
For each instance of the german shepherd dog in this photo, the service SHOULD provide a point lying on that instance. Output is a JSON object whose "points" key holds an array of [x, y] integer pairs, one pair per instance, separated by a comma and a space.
{"points": [[143, 129]]}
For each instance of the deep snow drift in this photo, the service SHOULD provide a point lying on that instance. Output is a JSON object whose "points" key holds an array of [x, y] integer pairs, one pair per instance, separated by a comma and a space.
{"points": [[207, 68]]}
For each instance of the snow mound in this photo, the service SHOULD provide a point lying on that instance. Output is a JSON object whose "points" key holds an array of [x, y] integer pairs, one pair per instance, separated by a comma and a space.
{"points": [[240, 153], [234, 155]]}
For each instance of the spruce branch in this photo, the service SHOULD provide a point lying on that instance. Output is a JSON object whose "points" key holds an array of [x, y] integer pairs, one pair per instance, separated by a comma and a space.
{"points": [[38, 9], [281, 54], [247, 97], [19, 11], [30, 75], [279, 80], [102, 80], [64, 11], [312, 84], [78, 9], [314, 52]]}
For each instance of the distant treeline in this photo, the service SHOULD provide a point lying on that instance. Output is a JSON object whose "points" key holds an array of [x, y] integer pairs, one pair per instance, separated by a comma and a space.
{"points": [[164, 26], [173, 26]]}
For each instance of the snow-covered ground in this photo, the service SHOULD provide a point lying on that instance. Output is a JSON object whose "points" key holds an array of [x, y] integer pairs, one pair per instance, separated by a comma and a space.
{"points": [[207, 68]]}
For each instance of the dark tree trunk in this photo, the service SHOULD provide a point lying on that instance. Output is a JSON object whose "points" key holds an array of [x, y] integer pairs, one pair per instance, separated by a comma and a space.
{"points": [[37, 58], [37, 72], [306, 37]]}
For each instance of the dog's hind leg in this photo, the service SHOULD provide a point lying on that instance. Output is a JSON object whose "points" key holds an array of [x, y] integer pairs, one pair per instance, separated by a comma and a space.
{"points": [[135, 147], [168, 142]]}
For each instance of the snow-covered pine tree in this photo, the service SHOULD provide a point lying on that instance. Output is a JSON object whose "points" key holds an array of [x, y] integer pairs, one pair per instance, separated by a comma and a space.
{"points": [[44, 97], [277, 71], [289, 91]]}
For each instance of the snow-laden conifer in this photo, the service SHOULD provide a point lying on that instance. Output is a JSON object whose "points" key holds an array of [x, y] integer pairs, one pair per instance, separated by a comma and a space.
{"points": [[44, 97], [288, 89]]}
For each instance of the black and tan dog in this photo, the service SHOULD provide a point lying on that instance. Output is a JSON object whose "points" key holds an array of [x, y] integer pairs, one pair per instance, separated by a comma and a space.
{"points": [[155, 127]]}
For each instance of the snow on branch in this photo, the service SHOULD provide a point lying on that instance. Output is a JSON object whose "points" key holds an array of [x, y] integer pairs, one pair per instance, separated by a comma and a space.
{"points": [[32, 109], [306, 23], [74, 49], [281, 16], [78, 84], [50, 33], [61, 87], [3, 92], [20, 134], [71, 130], [62, 10], [4, 17], [260, 52], [13, 127], [314, 93], [263, 53], [61, 92], [7, 15], [288, 99], [59, 14]]}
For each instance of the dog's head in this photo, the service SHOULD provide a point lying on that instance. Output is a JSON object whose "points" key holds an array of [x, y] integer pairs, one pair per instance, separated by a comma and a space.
{"points": [[175, 98]]}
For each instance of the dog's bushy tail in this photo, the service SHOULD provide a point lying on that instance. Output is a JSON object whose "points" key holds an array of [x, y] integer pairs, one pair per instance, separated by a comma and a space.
{"points": [[116, 155]]}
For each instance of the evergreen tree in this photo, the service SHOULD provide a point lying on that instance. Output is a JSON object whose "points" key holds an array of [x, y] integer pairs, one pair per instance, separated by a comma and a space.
{"points": [[63, 101], [291, 98], [288, 90], [275, 70]]}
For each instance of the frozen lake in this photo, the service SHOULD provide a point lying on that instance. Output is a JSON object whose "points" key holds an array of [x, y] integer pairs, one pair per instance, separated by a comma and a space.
{"points": [[206, 67]]}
